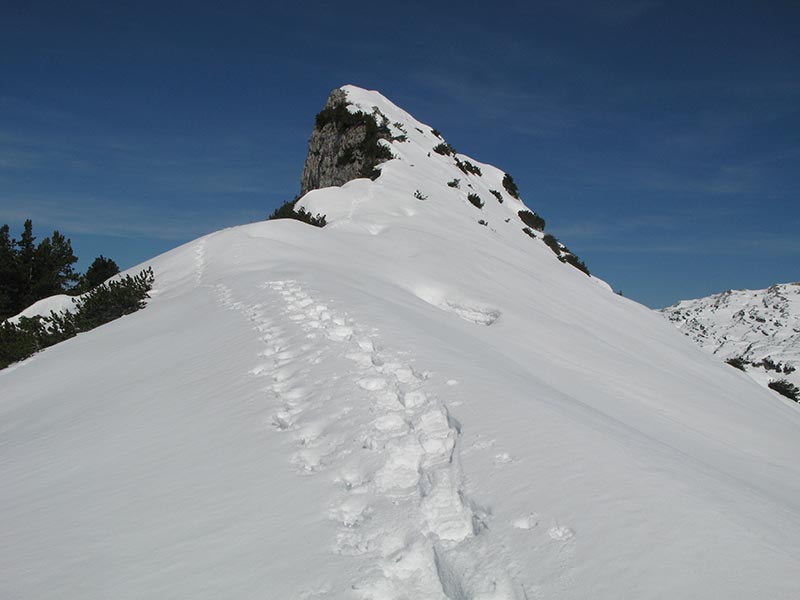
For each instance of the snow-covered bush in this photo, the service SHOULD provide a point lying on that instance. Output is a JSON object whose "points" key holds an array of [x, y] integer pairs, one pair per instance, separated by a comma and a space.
{"points": [[112, 300], [287, 211], [576, 262], [444, 149], [511, 187], [468, 168], [564, 254], [497, 195], [531, 219], [552, 243], [737, 362], [100, 305], [475, 200], [785, 388]]}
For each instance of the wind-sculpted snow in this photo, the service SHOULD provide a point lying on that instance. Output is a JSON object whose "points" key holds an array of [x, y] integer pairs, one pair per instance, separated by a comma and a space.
{"points": [[469, 310]]}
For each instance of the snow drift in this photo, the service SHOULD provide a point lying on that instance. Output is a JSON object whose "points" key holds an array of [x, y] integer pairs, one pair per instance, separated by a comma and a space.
{"points": [[404, 404]]}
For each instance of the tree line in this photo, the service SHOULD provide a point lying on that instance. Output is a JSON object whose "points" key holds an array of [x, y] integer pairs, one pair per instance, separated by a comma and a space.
{"points": [[31, 271]]}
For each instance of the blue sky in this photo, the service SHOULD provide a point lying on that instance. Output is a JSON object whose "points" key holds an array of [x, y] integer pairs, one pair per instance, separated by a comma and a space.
{"points": [[660, 140]]}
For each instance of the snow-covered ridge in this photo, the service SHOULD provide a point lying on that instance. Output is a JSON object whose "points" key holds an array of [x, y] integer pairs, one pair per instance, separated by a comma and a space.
{"points": [[421, 183], [403, 404], [760, 326]]}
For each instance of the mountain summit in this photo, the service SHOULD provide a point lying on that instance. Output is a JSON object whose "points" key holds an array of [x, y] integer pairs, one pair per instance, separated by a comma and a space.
{"points": [[423, 399], [360, 134]]}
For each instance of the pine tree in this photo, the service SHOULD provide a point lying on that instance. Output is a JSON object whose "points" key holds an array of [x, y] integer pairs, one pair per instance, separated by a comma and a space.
{"points": [[52, 268], [100, 270], [26, 250], [9, 275], [29, 272]]}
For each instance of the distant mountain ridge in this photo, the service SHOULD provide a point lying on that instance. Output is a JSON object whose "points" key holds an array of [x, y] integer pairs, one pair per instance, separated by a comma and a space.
{"points": [[762, 327]]}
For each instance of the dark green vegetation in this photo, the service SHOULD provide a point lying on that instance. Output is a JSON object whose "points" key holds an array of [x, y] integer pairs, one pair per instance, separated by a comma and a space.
{"points": [[770, 365], [287, 211], [534, 221], [104, 303], [785, 388], [511, 187], [576, 262], [468, 168], [552, 243], [444, 149], [737, 363], [370, 149], [455, 183], [30, 271], [531, 219], [99, 271], [419, 195], [475, 200], [564, 254]]}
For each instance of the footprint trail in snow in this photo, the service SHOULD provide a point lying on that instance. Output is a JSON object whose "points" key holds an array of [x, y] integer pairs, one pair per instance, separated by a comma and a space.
{"points": [[392, 452]]}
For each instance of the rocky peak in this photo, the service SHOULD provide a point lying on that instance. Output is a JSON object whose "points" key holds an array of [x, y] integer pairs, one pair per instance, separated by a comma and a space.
{"points": [[344, 145]]}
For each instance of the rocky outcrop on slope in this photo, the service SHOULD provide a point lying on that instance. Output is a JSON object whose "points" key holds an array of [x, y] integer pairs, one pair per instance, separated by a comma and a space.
{"points": [[759, 329], [344, 145], [357, 130]]}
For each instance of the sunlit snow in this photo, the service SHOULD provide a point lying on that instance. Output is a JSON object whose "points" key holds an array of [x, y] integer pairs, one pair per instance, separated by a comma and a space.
{"points": [[404, 404]]}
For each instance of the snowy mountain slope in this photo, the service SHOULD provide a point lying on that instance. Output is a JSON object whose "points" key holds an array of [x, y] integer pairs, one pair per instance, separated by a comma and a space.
{"points": [[404, 404], [760, 326]]}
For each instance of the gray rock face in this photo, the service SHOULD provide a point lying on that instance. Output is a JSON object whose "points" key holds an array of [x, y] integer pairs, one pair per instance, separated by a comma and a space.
{"points": [[341, 149]]}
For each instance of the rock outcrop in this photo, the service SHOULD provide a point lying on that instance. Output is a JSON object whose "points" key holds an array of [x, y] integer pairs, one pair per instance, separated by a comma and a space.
{"points": [[344, 145], [759, 329]]}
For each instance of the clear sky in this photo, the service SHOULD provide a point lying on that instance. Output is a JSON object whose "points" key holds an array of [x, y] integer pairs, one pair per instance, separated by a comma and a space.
{"points": [[660, 139]]}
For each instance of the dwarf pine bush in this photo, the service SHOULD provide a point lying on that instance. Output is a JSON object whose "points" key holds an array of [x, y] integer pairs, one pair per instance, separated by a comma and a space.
{"points": [[785, 388], [102, 304], [475, 200], [511, 187], [444, 149], [531, 219], [287, 211], [737, 362]]}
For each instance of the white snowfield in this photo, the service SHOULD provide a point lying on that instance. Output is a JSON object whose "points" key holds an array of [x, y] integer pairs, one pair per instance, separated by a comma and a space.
{"points": [[751, 324], [405, 404], [43, 307]]}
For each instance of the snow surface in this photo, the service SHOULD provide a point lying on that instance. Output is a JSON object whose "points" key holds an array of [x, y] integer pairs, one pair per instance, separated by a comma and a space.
{"points": [[751, 324], [57, 304], [404, 404]]}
